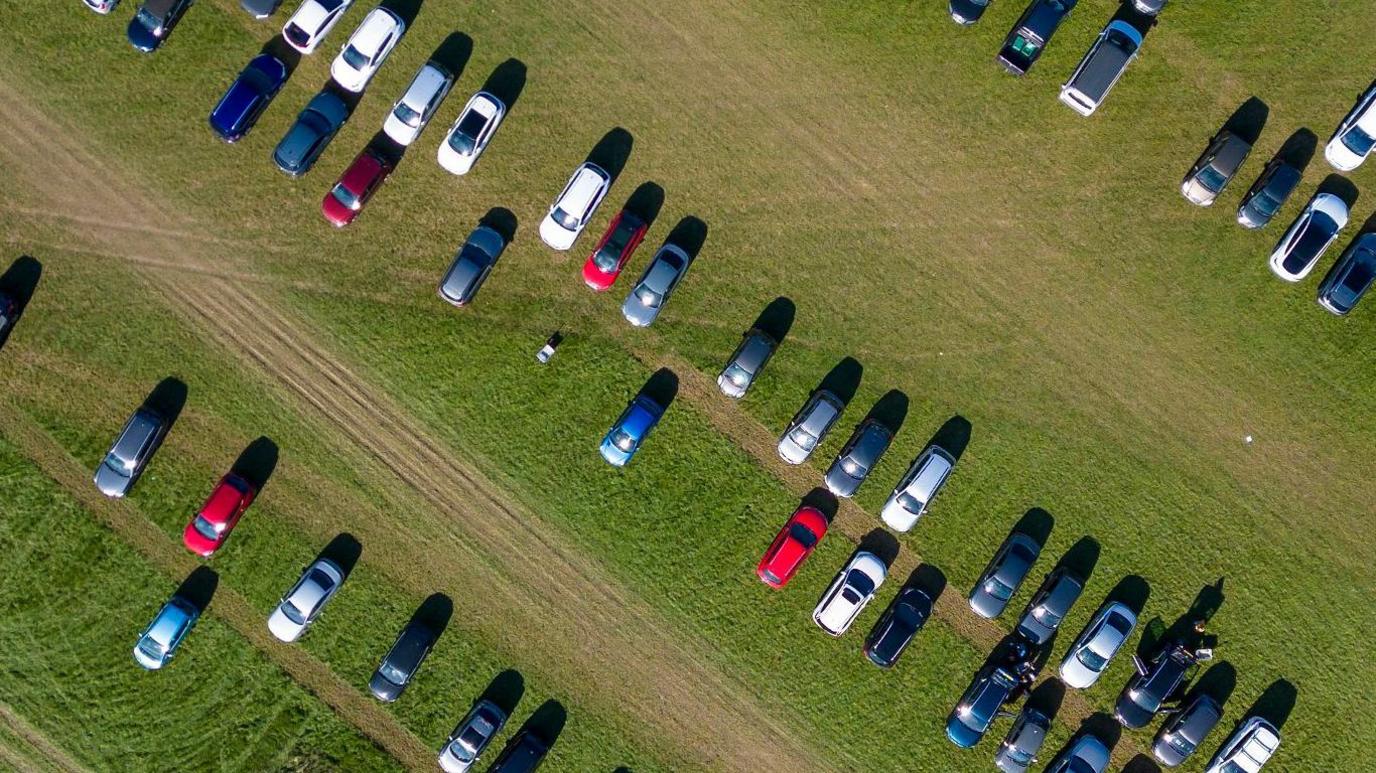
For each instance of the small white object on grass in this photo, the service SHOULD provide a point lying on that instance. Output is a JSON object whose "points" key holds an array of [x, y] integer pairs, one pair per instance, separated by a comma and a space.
{"points": [[1247, 440]]}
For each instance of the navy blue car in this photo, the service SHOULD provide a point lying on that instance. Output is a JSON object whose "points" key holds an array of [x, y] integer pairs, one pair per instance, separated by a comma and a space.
{"points": [[630, 430], [308, 137], [153, 22], [248, 96]]}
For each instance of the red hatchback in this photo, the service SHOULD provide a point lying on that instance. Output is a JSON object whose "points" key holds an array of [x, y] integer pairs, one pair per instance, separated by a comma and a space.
{"points": [[358, 183], [212, 525], [794, 544], [622, 237]]}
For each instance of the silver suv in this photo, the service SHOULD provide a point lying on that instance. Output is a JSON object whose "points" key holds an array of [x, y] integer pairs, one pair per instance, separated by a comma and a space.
{"points": [[137, 442], [809, 426]]}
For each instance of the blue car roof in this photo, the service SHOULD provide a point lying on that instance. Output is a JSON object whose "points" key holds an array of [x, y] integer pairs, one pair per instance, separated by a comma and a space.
{"points": [[263, 76], [642, 416], [175, 616]]}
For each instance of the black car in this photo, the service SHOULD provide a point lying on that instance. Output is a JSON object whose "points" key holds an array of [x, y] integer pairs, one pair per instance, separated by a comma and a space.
{"points": [[1049, 605], [1350, 276], [9, 314], [402, 661], [1268, 194], [1185, 732], [523, 754], [1019, 748], [154, 21], [303, 143], [1154, 685], [1024, 44], [967, 12], [897, 626]]}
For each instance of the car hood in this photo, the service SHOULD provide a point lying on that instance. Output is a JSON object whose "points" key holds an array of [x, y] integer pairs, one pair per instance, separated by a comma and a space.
{"points": [[141, 37], [961, 734], [1196, 192], [283, 628], [967, 11], [1131, 713], [1076, 674], [840, 482], [555, 235], [614, 456], [383, 688], [897, 517], [111, 482]]}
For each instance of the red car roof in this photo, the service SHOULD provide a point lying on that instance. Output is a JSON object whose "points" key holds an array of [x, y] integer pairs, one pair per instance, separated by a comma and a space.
{"points": [[226, 502], [786, 553]]}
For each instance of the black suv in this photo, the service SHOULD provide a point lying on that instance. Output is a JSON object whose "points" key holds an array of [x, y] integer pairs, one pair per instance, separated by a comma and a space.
{"points": [[402, 661], [1154, 684], [1033, 31]]}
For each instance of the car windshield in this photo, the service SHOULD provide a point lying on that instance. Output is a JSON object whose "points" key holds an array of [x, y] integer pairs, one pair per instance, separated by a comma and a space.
{"points": [[1181, 744], [354, 57], [853, 467], [802, 438], [909, 503], [623, 440], [407, 115], [998, 589], [151, 647], [1212, 179], [563, 218], [346, 197], [737, 375], [1091, 659], [1358, 141], [802, 536], [860, 581], [648, 297], [1315, 237], [148, 20], [206, 528], [392, 673]]}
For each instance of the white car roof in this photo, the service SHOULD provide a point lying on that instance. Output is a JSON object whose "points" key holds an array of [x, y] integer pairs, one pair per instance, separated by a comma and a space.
{"points": [[376, 26], [934, 468], [1331, 205], [428, 80], [310, 16], [583, 188], [485, 104]]}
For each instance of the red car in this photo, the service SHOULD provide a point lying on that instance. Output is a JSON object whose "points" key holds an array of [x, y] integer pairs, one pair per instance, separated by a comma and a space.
{"points": [[358, 183], [794, 544], [212, 525], [622, 237]]}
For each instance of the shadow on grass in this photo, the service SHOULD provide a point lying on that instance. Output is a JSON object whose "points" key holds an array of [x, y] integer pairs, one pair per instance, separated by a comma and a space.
{"points": [[662, 387], [1276, 703], [929, 580], [612, 151], [506, 82], [344, 551], [843, 379], [1248, 120], [1035, 523], [199, 587], [645, 202], [776, 319], [453, 54], [1142, 764], [506, 690], [167, 400], [953, 436], [689, 234], [501, 220], [406, 10], [1339, 186], [434, 613], [891, 410], [882, 544], [18, 283], [1132, 592], [823, 501], [256, 462]]}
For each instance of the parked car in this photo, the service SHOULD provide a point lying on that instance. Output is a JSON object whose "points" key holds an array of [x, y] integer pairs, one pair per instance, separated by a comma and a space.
{"points": [[1003, 575], [471, 266], [623, 235], [1025, 42], [853, 588], [260, 9], [1214, 168], [857, 457], [1350, 277], [402, 661], [160, 639], [1248, 749], [9, 315], [897, 626], [1186, 730], [366, 50], [1106, 633], [303, 143], [917, 488], [1086, 755], [1148, 7], [101, 7], [355, 187], [1049, 605], [750, 357], [982, 702], [471, 737], [967, 12], [304, 602], [630, 430], [312, 22], [812, 423], [648, 296], [471, 132], [247, 97], [1154, 684], [1268, 194], [523, 754], [574, 206], [418, 104], [129, 455], [791, 546], [1299, 250], [219, 515], [1356, 135], [1025, 738], [154, 21], [1105, 62]]}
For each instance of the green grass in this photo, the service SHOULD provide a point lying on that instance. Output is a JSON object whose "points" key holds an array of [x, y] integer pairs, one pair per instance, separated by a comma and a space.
{"points": [[964, 236]]}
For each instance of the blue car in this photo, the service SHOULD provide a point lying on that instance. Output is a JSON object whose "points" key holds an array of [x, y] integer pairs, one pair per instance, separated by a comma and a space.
{"points": [[153, 22], [248, 96], [307, 138], [630, 430], [159, 641], [981, 704]]}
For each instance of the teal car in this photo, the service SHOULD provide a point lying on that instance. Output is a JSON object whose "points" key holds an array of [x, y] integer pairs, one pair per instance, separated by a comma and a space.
{"points": [[160, 640]]}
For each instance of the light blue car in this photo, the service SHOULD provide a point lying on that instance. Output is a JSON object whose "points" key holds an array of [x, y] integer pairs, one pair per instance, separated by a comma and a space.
{"points": [[630, 430], [159, 642]]}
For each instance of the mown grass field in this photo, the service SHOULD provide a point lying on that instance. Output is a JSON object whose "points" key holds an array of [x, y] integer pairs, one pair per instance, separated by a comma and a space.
{"points": [[964, 237]]}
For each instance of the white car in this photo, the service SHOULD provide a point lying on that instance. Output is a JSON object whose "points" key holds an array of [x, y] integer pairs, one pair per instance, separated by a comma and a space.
{"points": [[849, 593], [1096, 645], [303, 602], [1355, 135], [312, 22], [471, 132], [917, 488], [574, 207], [1299, 250], [367, 49], [412, 112], [1248, 749]]}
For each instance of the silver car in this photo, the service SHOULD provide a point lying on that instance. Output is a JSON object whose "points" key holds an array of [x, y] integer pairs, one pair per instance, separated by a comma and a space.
{"points": [[471, 266], [471, 737], [1214, 168], [1185, 731], [858, 456], [746, 363], [650, 294], [137, 442], [1049, 605], [303, 603], [1003, 575], [812, 423]]}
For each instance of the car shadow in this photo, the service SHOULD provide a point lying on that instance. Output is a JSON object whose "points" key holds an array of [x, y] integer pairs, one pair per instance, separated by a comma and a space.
{"points": [[611, 152], [1047, 698], [19, 282], [547, 723], [1035, 523], [167, 400], [662, 387], [645, 202], [406, 10], [1275, 704], [278, 48], [505, 690], [1298, 149], [881, 543], [1218, 682], [1142, 764], [1341, 187], [689, 234], [349, 98], [891, 410], [434, 612], [1132, 592], [953, 435], [1101, 726], [256, 462], [1081, 558], [1248, 120], [199, 587], [344, 551], [823, 501], [776, 319], [1142, 22], [453, 54], [387, 148], [501, 220], [928, 579], [843, 379], [506, 82]]}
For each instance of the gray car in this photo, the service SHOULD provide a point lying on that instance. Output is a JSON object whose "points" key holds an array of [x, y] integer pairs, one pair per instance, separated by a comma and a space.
{"points": [[812, 423], [1004, 574], [746, 362], [303, 143], [1350, 276], [1086, 755], [1049, 605], [1268, 194], [136, 444], [1186, 731], [260, 9], [402, 661], [650, 294], [471, 737], [858, 456], [471, 266], [1215, 168], [1019, 748]]}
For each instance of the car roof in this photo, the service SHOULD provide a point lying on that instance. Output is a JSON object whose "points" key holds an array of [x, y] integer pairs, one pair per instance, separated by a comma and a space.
{"points": [[934, 468], [1330, 205], [171, 619], [1231, 152], [159, 7], [584, 186], [222, 503], [430, 78], [870, 564], [410, 646], [755, 348], [874, 439], [362, 171], [1199, 718], [639, 418], [1045, 15], [822, 409], [310, 15], [661, 275], [142, 425], [374, 28]]}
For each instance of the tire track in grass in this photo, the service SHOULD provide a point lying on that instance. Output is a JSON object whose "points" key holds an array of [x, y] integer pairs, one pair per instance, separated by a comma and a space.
{"points": [[167, 555], [37, 741]]}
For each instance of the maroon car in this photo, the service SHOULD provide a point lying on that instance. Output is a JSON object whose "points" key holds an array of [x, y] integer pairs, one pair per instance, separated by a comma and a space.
{"points": [[358, 183]]}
